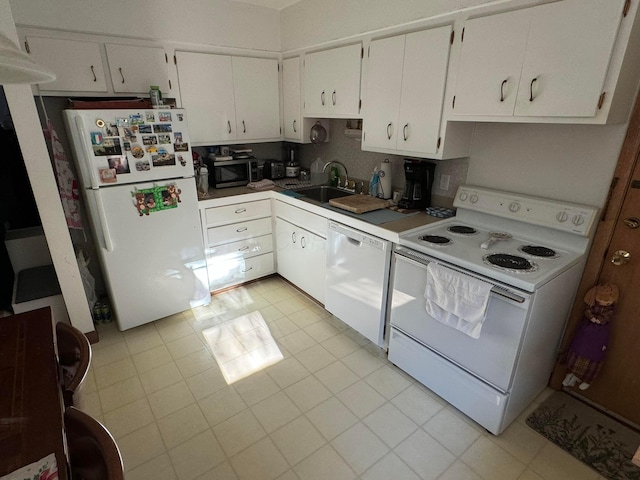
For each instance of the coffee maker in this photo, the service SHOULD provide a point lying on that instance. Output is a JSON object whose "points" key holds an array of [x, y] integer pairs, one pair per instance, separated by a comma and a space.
{"points": [[418, 176]]}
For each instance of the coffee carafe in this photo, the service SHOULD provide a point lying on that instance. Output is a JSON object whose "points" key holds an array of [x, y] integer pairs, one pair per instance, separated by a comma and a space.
{"points": [[418, 183]]}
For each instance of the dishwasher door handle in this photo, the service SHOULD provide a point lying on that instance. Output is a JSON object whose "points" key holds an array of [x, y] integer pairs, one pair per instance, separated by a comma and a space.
{"points": [[353, 241]]}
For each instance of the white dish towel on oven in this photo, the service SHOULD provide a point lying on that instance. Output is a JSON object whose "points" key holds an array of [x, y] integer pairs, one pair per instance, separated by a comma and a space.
{"points": [[455, 299]]}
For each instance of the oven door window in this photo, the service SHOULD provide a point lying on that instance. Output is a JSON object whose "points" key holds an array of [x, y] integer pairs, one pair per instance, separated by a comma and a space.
{"points": [[491, 356], [231, 173]]}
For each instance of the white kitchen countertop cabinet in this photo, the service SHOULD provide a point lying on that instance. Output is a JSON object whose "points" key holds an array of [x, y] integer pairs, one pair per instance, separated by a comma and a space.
{"points": [[134, 69], [229, 99], [77, 64], [238, 242], [332, 82], [405, 88], [546, 61]]}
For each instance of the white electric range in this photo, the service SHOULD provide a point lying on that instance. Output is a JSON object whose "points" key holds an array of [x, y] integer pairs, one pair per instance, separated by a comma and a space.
{"points": [[532, 252]]}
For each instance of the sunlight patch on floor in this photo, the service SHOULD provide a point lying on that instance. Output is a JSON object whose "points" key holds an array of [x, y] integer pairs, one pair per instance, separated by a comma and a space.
{"points": [[242, 346]]}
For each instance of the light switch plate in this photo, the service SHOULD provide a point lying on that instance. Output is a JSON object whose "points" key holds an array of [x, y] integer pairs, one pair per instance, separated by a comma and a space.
{"points": [[444, 182]]}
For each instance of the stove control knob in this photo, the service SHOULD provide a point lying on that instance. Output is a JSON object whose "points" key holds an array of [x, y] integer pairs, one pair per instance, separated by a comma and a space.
{"points": [[473, 198], [562, 217], [577, 220], [514, 207], [463, 196]]}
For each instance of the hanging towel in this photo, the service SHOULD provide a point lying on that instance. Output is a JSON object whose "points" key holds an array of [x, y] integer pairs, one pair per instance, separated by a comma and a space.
{"points": [[67, 183], [456, 299]]}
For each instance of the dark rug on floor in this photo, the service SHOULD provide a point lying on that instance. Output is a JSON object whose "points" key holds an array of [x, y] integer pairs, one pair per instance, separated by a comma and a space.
{"points": [[592, 437]]}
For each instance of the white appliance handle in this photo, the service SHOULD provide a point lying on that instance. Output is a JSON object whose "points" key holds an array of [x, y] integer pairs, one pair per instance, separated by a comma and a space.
{"points": [[108, 242], [83, 164]]}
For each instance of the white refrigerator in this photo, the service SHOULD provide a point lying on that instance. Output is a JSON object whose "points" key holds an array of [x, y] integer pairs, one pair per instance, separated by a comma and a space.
{"points": [[136, 173]]}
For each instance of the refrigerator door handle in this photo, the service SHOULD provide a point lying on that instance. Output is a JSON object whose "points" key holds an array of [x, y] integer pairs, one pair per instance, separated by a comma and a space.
{"points": [[108, 242], [83, 163]]}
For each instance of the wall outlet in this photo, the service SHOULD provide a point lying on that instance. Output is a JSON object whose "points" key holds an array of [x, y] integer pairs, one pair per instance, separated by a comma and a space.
{"points": [[444, 182]]}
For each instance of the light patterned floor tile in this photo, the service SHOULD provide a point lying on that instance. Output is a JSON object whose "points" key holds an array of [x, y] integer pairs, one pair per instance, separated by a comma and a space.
{"points": [[184, 346], [387, 381], [221, 405], [261, 461], [224, 471], [425, 455], [297, 341], [174, 330], [121, 393], [362, 362], [238, 432], [109, 354], [340, 345], [206, 383], [490, 461], [451, 431], [151, 359], [315, 358], [307, 393], [390, 466], [287, 372], [304, 318], [159, 468], [520, 441], [128, 418], [170, 399], [114, 372], [336, 377], [331, 418], [160, 377], [195, 363], [552, 462], [361, 398], [321, 331], [256, 387], [143, 341], [297, 440], [417, 404], [390, 424], [141, 446], [197, 456], [324, 464], [360, 447], [460, 471], [180, 426], [275, 411]]}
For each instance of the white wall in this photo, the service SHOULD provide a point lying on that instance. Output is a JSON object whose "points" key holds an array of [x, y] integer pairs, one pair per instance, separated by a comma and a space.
{"points": [[566, 162], [210, 22]]}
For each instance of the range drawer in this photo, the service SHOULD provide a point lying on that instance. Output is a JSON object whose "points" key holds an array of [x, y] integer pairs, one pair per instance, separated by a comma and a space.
{"points": [[238, 231], [225, 272], [245, 248], [237, 212]]}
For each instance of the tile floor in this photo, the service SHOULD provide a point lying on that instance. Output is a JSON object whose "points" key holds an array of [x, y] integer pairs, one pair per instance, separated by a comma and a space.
{"points": [[333, 408]]}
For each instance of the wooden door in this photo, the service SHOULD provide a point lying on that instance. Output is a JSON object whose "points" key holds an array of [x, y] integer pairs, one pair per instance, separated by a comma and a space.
{"points": [[617, 388]]}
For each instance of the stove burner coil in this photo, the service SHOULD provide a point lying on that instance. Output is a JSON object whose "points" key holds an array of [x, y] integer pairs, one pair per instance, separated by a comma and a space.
{"points": [[511, 263], [435, 239], [538, 251], [462, 230]]}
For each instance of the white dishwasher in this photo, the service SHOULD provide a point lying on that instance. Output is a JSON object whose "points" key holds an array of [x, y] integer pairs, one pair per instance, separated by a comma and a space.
{"points": [[358, 279]]}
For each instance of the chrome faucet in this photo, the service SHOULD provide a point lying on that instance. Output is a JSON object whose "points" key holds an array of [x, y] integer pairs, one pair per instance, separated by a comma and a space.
{"points": [[346, 175]]}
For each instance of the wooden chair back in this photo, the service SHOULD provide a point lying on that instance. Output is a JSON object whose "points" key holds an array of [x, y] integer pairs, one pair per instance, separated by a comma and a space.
{"points": [[93, 453], [74, 355]]}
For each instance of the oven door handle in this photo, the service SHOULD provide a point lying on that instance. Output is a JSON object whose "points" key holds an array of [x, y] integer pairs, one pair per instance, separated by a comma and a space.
{"points": [[422, 260]]}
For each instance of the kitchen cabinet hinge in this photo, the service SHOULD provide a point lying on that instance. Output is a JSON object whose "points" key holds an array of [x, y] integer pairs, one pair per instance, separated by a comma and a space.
{"points": [[453, 104], [601, 100], [359, 105], [462, 36], [278, 67], [26, 46], [166, 58], [453, 35], [175, 60], [362, 52], [170, 84], [438, 143], [627, 6]]}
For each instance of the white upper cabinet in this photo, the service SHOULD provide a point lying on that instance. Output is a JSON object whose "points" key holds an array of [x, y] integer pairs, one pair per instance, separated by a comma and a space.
{"points": [[206, 91], [332, 82], [77, 64], [405, 88], [291, 101], [134, 69], [546, 61], [257, 98], [229, 98]]}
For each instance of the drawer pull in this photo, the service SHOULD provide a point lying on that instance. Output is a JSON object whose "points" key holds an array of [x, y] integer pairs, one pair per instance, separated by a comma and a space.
{"points": [[303, 243], [241, 229], [241, 210], [244, 249], [247, 270], [293, 237]]}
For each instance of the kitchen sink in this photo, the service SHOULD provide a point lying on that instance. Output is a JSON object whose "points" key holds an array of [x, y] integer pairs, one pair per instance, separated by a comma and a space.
{"points": [[322, 193]]}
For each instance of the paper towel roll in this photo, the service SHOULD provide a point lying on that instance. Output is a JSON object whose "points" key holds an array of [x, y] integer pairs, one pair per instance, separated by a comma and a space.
{"points": [[384, 174]]}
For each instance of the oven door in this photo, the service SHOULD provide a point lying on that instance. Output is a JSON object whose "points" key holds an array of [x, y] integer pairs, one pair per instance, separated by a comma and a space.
{"points": [[493, 355], [231, 173]]}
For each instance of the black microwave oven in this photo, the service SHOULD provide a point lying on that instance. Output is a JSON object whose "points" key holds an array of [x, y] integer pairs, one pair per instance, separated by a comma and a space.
{"points": [[234, 173]]}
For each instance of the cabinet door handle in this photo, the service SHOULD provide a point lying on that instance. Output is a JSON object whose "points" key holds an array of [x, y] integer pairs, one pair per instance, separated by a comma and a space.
{"points": [[228, 126], [333, 97], [244, 127], [94, 74], [244, 249], [389, 131], [293, 237], [247, 270], [302, 242], [121, 75], [294, 127], [322, 98], [504, 82], [531, 89], [241, 229], [241, 210], [404, 131]]}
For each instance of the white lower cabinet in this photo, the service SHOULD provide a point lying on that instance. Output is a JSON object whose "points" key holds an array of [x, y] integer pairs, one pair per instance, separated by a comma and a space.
{"points": [[301, 258], [239, 242]]}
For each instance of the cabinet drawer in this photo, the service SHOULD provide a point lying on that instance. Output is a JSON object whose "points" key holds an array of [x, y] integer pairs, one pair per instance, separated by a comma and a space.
{"points": [[302, 218], [225, 272], [237, 212], [246, 248], [238, 231]]}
